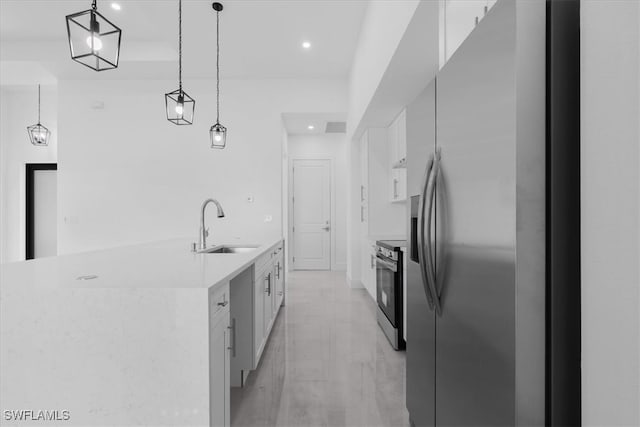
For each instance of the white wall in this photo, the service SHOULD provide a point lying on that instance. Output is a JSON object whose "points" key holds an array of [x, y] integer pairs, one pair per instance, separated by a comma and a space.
{"points": [[334, 147], [126, 175], [383, 26], [354, 275], [610, 159], [285, 191], [19, 109]]}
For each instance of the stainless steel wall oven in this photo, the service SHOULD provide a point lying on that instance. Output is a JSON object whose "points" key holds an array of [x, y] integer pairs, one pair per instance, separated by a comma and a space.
{"points": [[389, 295]]}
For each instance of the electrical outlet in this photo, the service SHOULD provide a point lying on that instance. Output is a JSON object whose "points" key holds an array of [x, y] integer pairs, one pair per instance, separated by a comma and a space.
{"points": [[268, 218]]}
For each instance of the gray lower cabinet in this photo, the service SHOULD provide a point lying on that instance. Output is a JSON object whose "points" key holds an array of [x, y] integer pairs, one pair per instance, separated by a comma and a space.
{"points": [[262, 312], [278, 294], [219, 358], [256, 296]]}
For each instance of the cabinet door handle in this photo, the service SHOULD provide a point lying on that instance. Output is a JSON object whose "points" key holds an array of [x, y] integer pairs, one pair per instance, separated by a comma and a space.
{"points": [[223, 303], [395, 188], [232, 328], [267, 290], [373, 261], [362, 193]]}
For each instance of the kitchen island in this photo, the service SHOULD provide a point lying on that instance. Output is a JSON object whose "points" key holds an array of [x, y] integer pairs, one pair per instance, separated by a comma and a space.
{"points": [[138, 335]]}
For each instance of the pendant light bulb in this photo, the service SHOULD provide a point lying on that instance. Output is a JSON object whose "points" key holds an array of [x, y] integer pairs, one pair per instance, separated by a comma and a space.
{"points": [[217, 137], [179, 105], [94, 42]]}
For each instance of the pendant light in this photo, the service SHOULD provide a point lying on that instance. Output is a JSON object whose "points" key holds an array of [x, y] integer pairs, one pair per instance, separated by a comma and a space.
{"points": [[179, 105], [218, 133], [38, 134], [94, 41]]}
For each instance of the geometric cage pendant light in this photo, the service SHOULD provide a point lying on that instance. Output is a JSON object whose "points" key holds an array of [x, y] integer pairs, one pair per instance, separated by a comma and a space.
{"points": [[218, 133], [180, 106], [94, 41], [38, 134]]}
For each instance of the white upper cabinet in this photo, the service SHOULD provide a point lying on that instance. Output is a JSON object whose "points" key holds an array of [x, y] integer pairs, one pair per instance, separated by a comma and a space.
{"points": [[397, 144], [401, 149], [458, 18], [378, 217]]}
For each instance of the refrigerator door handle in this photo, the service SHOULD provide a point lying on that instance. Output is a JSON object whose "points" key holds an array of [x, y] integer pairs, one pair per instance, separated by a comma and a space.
{"points": [[431, 195], [422, 259]]}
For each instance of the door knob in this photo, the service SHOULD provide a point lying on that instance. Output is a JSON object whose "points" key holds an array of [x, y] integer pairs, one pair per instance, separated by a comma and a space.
{"points": [[326, 228]]}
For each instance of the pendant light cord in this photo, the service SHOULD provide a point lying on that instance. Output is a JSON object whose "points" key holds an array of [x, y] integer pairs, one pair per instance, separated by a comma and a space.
{"points": [[218, 66], [180, 44], [38, 104]]}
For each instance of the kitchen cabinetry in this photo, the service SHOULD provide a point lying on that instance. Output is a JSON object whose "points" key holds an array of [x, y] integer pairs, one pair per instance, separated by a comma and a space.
{"points": [[197, 323], [259, 327], [368, 264], [257, 294], [220, 342], [278, 295], [397, 136], [377, 215]]}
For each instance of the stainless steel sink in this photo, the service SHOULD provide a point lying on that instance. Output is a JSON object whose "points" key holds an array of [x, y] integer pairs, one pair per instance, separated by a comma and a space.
{"points": [[228, 249]]}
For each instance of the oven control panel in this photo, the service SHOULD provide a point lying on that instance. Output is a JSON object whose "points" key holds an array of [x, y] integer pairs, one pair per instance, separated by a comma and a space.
{"points": [[387, 253]]}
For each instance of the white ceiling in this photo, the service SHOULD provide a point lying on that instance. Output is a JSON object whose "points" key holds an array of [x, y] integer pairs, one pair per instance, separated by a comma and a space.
{"points": [[298, 123], [259, 38]]}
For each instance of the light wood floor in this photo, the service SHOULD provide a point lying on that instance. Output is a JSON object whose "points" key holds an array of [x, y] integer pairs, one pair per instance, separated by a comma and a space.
{"points": [[327, 362]]}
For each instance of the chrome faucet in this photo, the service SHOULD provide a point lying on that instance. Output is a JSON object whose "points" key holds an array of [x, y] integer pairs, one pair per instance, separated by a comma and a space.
{"points": [[204, 232]]}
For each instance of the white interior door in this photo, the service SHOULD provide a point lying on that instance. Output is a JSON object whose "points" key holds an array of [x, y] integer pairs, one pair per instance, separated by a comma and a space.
{"points": [[45, 235], [311, 214]]}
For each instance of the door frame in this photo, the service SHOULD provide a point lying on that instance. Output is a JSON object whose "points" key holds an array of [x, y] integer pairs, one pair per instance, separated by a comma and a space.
{"points": [[332, 209], [30, 169]]}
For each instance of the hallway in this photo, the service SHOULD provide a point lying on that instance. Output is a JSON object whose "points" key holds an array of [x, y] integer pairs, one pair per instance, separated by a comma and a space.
{"points": [[327, 362]]}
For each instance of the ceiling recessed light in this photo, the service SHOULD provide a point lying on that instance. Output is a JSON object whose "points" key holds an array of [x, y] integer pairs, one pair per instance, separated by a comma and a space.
{"points": [[115, 6], [311, 127], [306, 45]]}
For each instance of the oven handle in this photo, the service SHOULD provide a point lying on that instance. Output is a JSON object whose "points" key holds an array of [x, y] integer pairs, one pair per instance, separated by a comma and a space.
{"points": [[387, 264]]}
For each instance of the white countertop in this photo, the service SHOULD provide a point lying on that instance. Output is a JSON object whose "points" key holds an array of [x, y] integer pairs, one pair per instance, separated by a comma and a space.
{"points": [[163, 264], [130, 347]]}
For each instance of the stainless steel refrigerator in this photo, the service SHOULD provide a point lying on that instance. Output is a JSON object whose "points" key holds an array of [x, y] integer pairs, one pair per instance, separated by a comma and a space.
{"points": [[493, 175]]}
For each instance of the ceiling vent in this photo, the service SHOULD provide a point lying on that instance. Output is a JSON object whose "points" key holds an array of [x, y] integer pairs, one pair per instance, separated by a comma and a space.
{"points": [[336, 127]]}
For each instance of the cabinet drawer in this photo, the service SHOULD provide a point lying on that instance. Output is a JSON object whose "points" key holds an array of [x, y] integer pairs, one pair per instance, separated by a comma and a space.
{"points": [[264, 260], [218, 299]]}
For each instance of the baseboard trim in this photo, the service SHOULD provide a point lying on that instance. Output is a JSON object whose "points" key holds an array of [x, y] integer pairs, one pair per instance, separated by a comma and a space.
{"points": [[339, 267], [355, 284]]}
